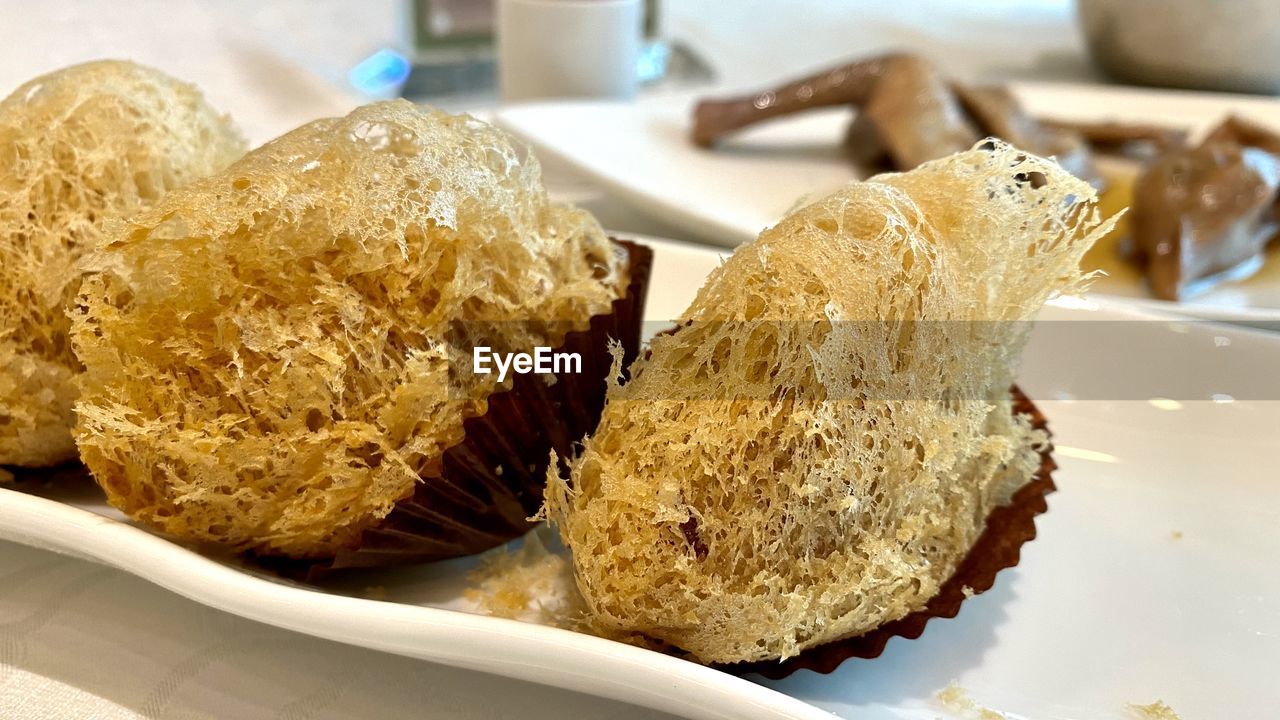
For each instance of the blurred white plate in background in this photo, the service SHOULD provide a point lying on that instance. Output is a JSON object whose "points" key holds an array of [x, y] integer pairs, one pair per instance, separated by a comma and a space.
{"points": [[642, 154]]}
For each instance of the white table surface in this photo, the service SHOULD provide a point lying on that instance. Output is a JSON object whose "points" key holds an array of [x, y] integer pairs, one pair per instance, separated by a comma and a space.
{"points": [[81, 641]]}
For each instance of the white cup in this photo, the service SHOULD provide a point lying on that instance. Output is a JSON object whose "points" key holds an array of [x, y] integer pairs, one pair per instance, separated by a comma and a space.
{"points": [[568, 48], [1231, 45]]}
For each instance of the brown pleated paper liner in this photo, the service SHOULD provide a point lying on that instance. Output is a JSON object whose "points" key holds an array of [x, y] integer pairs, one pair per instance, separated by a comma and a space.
{"points": [[495, 477], [999, 547]]}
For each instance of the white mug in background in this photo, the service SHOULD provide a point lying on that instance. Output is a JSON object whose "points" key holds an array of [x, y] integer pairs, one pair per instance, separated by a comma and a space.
{"points": [[568, 48], [1231, 45]]}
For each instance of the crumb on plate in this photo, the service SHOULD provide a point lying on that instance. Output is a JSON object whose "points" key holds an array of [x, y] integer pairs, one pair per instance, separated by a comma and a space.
{"points": [[956, 702], [1157, 710]]}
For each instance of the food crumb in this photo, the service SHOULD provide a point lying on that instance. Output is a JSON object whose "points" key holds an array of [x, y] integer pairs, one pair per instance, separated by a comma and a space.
{"points": [[1157, 710], [968, 591], [533, 584], [955, 701], [1177, 535]]}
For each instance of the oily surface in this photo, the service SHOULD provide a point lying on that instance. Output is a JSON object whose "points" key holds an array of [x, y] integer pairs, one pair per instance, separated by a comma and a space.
{"points": [[812, 453], [268, 350], [79, 148]]}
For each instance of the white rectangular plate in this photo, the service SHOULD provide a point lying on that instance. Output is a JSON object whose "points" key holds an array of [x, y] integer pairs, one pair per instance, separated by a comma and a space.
{"points": [[1152, 575]]}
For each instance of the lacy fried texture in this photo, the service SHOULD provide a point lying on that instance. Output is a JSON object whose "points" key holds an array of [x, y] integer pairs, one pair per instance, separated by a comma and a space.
{"points": [[266, 351], [812, 455], [79, 147]]}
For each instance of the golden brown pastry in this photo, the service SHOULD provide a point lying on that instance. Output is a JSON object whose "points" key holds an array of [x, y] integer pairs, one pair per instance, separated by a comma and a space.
{"points": [[78, 148], [814, 449], [268, 351]]}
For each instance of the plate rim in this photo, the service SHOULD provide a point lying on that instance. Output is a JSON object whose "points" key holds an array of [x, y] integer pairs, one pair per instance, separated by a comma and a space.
{"points": [[703, 226], [452, 637]]}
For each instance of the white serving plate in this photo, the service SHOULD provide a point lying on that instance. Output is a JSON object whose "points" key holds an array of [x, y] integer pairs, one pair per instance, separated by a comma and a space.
{"points": [[1106, 607], [641, 153]]}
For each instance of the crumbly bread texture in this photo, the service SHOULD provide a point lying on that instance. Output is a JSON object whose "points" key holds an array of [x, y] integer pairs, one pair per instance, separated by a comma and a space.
{"points": [[814, 450], [79, 147], [267, 350]]}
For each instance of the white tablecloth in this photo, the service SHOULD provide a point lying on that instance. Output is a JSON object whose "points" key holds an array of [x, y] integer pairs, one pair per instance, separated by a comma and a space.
{"points": [[82, 641]]}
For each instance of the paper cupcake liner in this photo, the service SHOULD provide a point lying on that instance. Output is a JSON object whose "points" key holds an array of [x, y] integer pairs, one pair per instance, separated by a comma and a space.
{"points": [[494, 479], [998, 547]]}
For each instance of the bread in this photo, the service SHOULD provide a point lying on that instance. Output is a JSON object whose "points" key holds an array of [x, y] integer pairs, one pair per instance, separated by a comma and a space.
{"points": [[816, 447], [78, 148], [268, 351]]}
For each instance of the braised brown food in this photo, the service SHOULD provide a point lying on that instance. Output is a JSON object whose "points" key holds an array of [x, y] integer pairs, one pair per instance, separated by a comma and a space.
{"points": [[908, 113], [1200, 214], [1206, 212]]}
